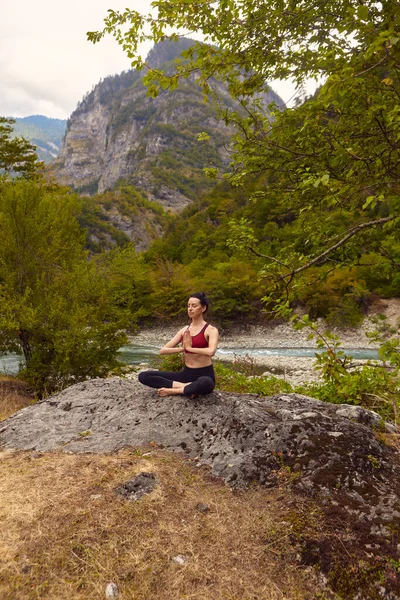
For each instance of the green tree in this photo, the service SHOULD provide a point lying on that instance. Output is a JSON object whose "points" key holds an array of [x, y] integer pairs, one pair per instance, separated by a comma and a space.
{"points": [[17, 155], [172, 285], [56, 305], [130, 281], [332, 163]]}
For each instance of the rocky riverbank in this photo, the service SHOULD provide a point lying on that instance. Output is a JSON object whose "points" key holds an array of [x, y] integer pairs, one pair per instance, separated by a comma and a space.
{"points": [[295, 369], [281, 335]]}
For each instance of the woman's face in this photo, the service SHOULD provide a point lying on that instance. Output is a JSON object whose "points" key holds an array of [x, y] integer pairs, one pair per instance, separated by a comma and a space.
{"points": [[195, 309]]}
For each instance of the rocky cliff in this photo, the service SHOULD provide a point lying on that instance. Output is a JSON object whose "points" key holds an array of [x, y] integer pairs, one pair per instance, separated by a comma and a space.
{"points": [[118, 133]]}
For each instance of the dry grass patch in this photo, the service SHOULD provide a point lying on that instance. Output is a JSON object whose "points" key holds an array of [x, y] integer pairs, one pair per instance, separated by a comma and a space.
{"points": [[14, 395], [65, 533], [392, 440]]}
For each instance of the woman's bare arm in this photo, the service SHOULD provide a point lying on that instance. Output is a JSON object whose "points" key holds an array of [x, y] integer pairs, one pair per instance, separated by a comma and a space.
{"points": [[171, 347]]}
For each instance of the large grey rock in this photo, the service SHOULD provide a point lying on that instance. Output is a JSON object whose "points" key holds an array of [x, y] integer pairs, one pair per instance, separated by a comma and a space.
{"points": [[326, 450]]}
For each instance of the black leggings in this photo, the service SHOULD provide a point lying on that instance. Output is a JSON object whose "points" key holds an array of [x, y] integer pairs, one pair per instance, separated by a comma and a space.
{"points": [[202, 380]]}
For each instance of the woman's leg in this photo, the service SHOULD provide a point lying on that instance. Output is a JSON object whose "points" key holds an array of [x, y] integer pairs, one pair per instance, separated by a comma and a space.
{"points": [[189, 382], [200, 387], [162, 379]]}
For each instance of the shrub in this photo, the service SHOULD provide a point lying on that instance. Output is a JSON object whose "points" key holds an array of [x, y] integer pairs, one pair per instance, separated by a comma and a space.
{"points": [[229, 380]]}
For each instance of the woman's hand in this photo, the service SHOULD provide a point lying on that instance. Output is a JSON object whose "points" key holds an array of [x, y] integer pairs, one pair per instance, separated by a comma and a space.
{"points": [[187, 340]]}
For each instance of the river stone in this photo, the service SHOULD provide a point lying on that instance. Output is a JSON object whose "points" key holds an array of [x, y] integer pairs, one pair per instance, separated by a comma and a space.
{"points": [[329, 451]]}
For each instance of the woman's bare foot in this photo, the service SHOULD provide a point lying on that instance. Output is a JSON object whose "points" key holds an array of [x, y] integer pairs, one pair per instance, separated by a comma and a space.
{"points": [[170, 391]]}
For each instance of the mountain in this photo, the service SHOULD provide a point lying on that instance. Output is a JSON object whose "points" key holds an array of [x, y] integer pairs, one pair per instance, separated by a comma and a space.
{"points": [[45, 133], [121, 216], [118, 134]]}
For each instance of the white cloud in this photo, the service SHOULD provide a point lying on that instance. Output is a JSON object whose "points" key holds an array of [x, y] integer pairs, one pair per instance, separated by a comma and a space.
{"points": [[46, 63]]}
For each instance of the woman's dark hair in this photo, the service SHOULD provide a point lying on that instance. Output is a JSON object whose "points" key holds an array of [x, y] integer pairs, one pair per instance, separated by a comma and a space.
{"points": [[204, 301]]}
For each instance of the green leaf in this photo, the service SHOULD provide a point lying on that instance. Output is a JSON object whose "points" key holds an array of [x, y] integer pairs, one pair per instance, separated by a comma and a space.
{"points": [[211, 172], [362, 12], [203, 136], [325, 179], [370, 201]]}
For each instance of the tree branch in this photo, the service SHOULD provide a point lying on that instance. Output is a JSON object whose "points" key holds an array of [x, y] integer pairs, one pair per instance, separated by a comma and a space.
{"points": [[271, 258], [325, 255], [366, 70], [353, 231]]}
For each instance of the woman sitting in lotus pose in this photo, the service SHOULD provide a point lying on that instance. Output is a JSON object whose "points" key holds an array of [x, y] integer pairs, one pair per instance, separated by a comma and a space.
{"points": [[198, 342]]}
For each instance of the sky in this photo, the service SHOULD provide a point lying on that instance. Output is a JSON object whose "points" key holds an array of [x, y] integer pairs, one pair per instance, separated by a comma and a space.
{"points": [[46, 63]]}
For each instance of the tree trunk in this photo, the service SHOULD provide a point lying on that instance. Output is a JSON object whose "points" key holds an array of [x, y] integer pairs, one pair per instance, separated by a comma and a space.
{"points": [[26, 348]]}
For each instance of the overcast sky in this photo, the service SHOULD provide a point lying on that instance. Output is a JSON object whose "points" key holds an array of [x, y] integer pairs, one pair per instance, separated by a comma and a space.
{"points": [[46, 64]]}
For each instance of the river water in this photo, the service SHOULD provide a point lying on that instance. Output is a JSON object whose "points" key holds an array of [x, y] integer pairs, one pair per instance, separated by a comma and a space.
{"points": [[134, 355]]}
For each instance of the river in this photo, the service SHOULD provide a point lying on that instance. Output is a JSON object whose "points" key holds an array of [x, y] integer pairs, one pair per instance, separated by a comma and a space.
{"points": [[134, 354]]}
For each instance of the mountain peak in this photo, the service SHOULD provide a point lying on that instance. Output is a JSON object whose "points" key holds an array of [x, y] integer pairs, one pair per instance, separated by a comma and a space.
{"points": [[167, 51]]}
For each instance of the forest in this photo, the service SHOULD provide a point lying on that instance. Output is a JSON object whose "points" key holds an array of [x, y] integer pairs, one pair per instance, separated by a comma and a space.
{"points": [[315, 189]]}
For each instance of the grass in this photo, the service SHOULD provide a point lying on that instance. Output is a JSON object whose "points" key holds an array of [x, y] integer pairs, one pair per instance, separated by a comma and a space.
{"points": [[14, 395], [65, 533]]}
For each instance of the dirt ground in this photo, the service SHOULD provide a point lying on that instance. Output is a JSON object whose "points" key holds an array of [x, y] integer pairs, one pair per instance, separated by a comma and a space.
{"points": [[66, 534]]}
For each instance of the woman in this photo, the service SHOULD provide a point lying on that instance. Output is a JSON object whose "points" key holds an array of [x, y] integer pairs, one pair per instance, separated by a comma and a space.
{"points": [[199, 343]]}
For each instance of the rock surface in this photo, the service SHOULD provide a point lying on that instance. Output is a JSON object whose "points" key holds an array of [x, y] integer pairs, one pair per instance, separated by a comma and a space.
{"points": [[331, 452], [139, 486]]}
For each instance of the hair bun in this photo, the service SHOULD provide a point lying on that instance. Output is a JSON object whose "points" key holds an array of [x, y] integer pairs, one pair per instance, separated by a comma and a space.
{"points": [[204, 301]]}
